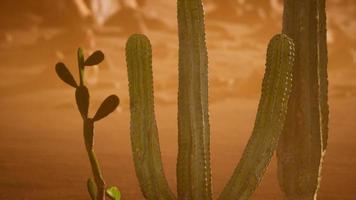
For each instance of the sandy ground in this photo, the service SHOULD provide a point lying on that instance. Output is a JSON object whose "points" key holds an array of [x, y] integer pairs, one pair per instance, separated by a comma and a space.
{"points": [[42, 154]]}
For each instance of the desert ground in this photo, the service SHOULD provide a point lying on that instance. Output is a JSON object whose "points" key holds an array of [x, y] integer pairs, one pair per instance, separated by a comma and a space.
{"points": [[42, 154]]}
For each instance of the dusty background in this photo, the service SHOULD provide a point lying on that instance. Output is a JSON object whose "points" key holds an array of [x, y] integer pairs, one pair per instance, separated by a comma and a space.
{"points": [[42, 155]]}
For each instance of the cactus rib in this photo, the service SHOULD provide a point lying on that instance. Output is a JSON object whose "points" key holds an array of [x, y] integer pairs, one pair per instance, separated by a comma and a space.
{"points": [[193, 165], [143, 128], [272, 109]]}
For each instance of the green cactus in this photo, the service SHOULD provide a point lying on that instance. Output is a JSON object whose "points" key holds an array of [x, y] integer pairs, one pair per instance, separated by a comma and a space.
{"points": [[144, 134], [193, 164], [304, 139], [271, 113], [96, 186]]}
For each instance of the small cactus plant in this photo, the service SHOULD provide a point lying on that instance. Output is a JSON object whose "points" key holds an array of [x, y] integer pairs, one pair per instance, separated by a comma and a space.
{"points": [[304, 139], [193, 164], [96, 186]]}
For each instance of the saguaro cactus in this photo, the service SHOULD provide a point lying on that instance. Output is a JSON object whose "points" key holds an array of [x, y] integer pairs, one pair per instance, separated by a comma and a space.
{"points": [[96, 186], [304, 139], [193, 165]]}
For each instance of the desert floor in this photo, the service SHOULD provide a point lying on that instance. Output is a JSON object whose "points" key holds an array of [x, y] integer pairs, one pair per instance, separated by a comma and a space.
{"points": [[42, 155]]}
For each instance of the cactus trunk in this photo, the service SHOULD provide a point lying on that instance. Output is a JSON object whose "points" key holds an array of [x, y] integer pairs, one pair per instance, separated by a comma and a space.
{"points": [[272, 109], [144, 134], [304, 139], [193, 164]]}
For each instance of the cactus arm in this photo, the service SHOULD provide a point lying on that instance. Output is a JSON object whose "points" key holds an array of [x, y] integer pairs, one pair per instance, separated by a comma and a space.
{"points": [[89, 142], [143, 128], [301, 146], [193, 165], [272, 109]]}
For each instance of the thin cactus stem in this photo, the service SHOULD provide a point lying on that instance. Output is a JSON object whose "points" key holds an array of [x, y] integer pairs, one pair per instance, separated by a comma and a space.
{"points": [[95, 167], [193, 164], [304, 139], [272, 109], [143, 128], [80, 56]]}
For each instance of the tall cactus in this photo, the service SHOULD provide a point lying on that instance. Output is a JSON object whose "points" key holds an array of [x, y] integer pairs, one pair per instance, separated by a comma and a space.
{"points": [[96, 186], [304, 138], [193, 164]]}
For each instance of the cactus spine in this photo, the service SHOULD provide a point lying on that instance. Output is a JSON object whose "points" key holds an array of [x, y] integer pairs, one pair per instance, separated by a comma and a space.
{"points": [[193, 164], [304, 139], [96, 187]]}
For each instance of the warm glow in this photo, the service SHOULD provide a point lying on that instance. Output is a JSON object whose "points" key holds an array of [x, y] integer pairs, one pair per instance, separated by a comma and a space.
{"points": [[42, 155]]}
